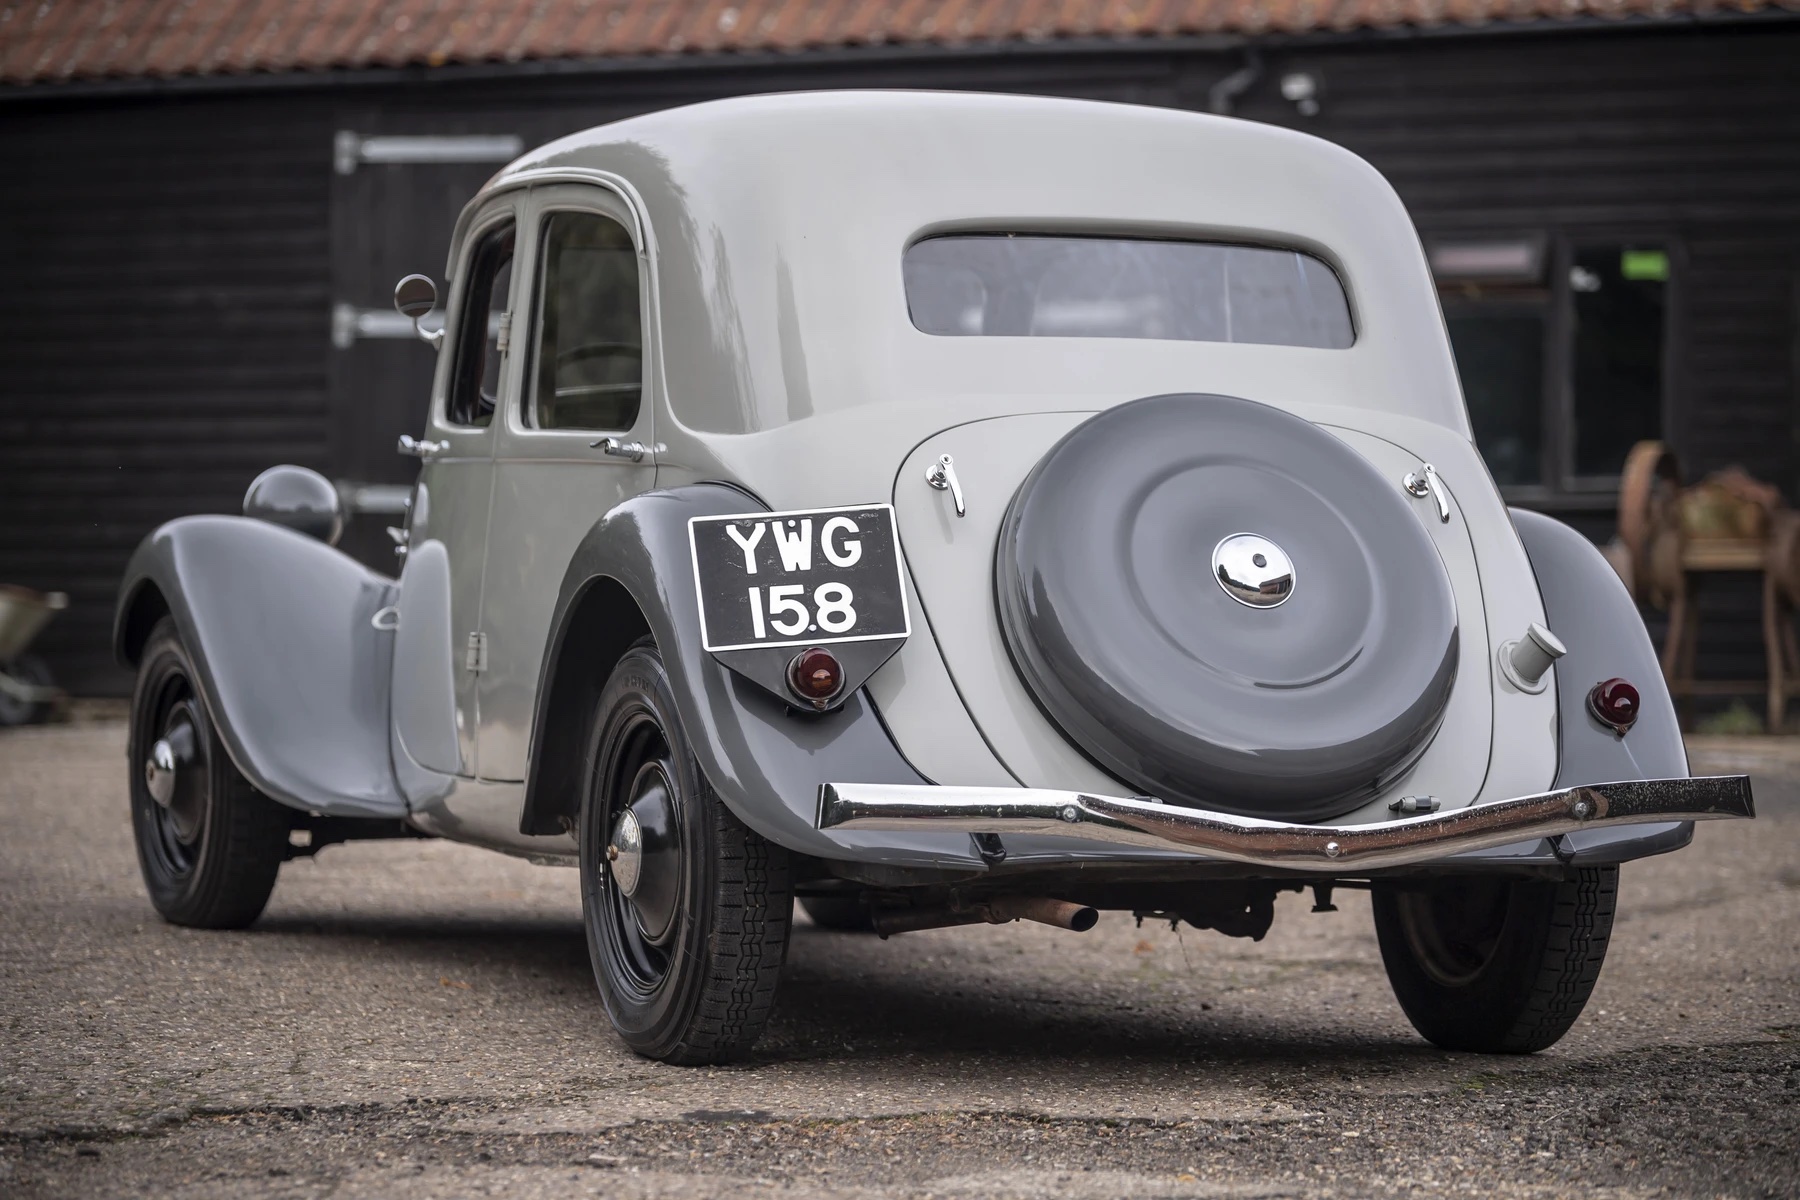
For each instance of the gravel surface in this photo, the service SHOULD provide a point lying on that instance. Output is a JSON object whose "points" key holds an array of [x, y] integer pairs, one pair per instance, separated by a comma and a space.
{"points": [[418, 1020]]}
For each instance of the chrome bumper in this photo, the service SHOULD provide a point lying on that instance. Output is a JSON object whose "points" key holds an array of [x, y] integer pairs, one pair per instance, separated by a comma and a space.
{"points": [[1323, 849]]}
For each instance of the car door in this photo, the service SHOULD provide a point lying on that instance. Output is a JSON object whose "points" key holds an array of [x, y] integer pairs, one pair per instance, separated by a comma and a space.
{"points": [[577, 442], [438, 650]]}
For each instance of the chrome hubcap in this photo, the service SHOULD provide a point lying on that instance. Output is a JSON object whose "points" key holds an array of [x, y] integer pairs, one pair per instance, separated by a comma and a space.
{"points": [[159, 772], [173, 778], [626, 853], [644, 854], [1253, 570]]}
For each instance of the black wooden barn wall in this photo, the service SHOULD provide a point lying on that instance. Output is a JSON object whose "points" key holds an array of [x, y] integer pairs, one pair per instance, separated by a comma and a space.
{"points": [[172, 259]]}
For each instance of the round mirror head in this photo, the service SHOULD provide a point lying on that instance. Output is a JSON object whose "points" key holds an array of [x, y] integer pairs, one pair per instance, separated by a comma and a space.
{"points": [[301, 499], [415, 296]]}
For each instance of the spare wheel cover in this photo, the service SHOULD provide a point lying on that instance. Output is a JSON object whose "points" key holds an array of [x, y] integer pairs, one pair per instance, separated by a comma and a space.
{"points": [[1110, 606]]}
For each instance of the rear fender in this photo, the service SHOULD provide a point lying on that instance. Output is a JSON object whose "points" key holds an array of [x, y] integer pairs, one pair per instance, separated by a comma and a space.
{"points": [[632, 575], [291, 670], [1588, 607]]}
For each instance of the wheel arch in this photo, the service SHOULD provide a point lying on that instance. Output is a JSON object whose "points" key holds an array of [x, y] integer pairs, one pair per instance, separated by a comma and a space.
{"points": [[764, 760], [604, 620], [286, 661], [139, 611]]}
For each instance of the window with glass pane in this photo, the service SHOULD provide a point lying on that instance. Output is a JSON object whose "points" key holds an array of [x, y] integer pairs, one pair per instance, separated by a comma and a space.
{"points": [[1026, 285], [475, 384], [590, 350], [1500, 359], [1619, 295]]}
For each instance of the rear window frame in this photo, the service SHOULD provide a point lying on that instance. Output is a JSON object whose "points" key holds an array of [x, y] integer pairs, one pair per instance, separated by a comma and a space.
{"points": [[1195, 237]]}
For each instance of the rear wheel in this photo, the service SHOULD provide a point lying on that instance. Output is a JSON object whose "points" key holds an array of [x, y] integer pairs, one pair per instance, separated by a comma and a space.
{"points": [[209, 844], [687, 910], [1497, 966]]}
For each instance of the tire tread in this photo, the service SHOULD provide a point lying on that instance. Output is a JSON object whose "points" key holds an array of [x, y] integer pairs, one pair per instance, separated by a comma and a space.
{"points": [[247, 833], [1534, 990]]}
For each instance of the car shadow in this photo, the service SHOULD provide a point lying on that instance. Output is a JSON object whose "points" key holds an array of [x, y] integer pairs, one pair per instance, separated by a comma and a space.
{"points": [[831, 1007], [835, 1005], [551, 946]]}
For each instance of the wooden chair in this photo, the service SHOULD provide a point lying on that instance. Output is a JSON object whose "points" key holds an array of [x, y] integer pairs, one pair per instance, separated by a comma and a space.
{"points": [[1665, 566]]}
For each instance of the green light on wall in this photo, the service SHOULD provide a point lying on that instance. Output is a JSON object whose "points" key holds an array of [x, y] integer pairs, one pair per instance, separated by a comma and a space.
{"points": [[1650, 266]]}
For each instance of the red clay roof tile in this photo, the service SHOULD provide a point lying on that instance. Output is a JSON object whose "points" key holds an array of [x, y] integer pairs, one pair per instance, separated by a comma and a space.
{"points": [[51, 41]]}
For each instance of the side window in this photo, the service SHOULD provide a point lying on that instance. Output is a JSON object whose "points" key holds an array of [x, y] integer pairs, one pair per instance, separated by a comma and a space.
{"points": [[475, 381], [589, 359]]}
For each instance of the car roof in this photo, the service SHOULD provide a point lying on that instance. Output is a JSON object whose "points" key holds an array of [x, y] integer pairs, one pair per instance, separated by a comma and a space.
{"points": [[777, 225]]}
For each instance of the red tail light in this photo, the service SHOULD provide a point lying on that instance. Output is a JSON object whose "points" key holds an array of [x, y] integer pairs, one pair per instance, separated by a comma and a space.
{"points": [[1614, 703], [816, 676]]}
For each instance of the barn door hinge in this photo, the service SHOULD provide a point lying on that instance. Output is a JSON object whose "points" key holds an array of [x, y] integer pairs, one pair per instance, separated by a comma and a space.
{"points": [[350, 149], [475, 657]]}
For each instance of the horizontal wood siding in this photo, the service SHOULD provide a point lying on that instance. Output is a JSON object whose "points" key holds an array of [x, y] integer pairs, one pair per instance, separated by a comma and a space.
{"points": [[167, 329], [164, 328], [1690, 136]]}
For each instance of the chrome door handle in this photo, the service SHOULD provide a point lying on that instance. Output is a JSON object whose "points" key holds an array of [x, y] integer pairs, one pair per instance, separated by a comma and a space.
{"points": [[612, 446], [942, 476], [420, 448], [1424, 482]]}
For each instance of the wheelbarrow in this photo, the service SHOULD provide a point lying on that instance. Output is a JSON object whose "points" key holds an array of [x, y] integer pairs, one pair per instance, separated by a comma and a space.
{"points": [[27, 693]]}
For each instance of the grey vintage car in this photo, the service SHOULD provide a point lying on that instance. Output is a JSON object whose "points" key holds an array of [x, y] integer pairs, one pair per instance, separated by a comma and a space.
{"points": [[938, 509]]}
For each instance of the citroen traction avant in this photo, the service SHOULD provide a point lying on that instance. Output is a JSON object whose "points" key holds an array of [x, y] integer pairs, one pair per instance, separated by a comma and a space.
{"points": [[933, 509]]}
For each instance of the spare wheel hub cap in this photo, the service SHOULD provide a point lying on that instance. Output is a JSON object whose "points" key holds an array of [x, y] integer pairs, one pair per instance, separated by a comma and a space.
{"points": [[1253, 570]]}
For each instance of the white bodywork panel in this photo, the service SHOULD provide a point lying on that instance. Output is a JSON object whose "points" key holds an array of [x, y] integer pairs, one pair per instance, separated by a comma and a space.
{"points": [[424, 663], [951, 561], [781, 356]]}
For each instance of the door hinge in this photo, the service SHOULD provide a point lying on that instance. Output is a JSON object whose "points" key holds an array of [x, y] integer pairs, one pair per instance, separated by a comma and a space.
{"points": [[350, 149], [475, 657], [503, 334]]}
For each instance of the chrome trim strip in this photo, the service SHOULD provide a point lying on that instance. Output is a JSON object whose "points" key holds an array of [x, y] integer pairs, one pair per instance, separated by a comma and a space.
{"points": [[1332, 849]]}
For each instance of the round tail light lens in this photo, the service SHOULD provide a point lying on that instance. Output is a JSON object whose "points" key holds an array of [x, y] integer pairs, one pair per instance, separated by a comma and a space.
{"points": [[1614, 703], [816, 676]]}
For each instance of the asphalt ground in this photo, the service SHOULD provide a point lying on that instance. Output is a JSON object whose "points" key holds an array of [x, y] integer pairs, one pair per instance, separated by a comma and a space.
{"points": [[418, 1020]]}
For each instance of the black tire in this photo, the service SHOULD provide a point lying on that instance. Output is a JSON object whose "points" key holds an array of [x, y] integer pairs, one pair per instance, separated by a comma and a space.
{"points": [[32, 671], [841, 914], [688, 954], [210, 855], [1496, 966]]}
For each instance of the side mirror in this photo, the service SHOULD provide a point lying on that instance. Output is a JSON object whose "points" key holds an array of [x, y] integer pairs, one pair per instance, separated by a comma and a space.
{"points": [[303, 500], [415, 297]]}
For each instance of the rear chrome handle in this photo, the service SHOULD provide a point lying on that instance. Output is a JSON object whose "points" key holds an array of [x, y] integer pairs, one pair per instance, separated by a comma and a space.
{"points": [[942, 476], [420, 448], [1424, 482], [612, 446]]}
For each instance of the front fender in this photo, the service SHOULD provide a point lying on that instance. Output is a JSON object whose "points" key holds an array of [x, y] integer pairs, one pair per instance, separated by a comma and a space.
{"points": [[290, 669], [765, 760]]}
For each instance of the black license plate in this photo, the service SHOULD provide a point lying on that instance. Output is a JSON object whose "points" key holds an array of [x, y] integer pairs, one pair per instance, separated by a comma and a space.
{"points": [[806, 577]]}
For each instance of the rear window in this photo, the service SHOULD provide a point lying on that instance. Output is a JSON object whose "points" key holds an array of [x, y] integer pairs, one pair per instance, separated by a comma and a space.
{"points": [[1029, 285]]}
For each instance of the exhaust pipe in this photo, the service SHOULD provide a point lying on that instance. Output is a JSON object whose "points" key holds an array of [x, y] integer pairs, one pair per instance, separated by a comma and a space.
{"points": [[1061, 913]]}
